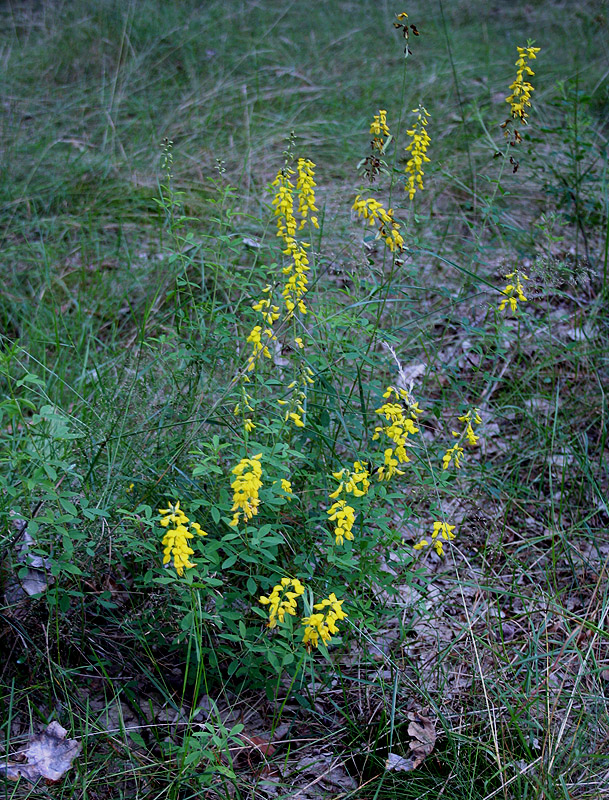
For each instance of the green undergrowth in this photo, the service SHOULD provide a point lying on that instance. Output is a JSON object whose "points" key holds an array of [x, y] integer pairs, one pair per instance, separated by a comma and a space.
{"points": [[395, 413]]}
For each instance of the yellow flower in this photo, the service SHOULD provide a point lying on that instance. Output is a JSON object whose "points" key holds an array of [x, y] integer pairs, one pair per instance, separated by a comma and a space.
{"points": [[455, 453], [305, 186], [322, 625], [418, 151], [286, 486], [173, 515], [296, 410], [296, 272], [176, 547], [350, 481], [520, 99], [284, 203], [399, 428], [344, 517], [379, 129], [296, 285], [442, 531], [175, 541], [389, 467], [467, 435], [246, 487], [282, 600], [388, 229], [514, 292]]}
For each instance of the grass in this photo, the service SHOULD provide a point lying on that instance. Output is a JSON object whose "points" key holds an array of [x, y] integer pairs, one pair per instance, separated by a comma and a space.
{"points": [[124, 317]]}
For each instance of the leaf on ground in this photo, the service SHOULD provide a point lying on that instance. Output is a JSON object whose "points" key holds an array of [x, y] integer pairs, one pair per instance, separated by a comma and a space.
{"points": [[423, 732], [49, 755]]}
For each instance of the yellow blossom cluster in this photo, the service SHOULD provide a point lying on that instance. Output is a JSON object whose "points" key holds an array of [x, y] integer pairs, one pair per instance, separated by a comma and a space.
{"points": [[399, 412], [342, 514], [452, 454], [296, 272], [379, 129], [246, 487], [388, 229], [262, 335], [305, 186], [418, 151], [296, 406], [355, 481], [286, 486], [514, 291], [455, 453], [175, 541], [442, 531], [520, 99], [283, 600], [322, 625]]}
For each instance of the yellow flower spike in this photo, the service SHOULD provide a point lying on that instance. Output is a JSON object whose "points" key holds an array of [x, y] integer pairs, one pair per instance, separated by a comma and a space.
{"points": [[286, 486], [305, 186], [175, 541], [173, 515], [344, 517], [379, 129], [522, 89], [453, 454], [418, 151], [246, 487], [388, 228], [282, 601], [397, 431], [514, 292], [442, 531], [322, 625]]}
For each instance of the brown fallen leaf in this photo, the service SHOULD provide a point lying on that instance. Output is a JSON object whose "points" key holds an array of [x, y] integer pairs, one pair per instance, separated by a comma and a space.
{"points": [[423, 742], [423, 732], [48, 755], [258, 748]]}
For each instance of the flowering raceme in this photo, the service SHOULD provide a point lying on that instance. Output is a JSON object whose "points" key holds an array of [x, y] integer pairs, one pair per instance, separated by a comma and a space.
{"points": [[520, 99], [283, 600], [322, 625], [388, 229], [441, 531], [246, 487], [418, 151], [305, 186], [514, 292], [296, 406], [378, 129], [296, 285], [344, 517], [350, 481], [455, 453], [354, 482], [175, 541], [397, 430]]}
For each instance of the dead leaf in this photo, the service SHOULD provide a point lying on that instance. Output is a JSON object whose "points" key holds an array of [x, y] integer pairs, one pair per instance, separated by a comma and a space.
{"points": [[49, 755], [257, 748], [396, 763], [423, 742], [423, 732]]}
